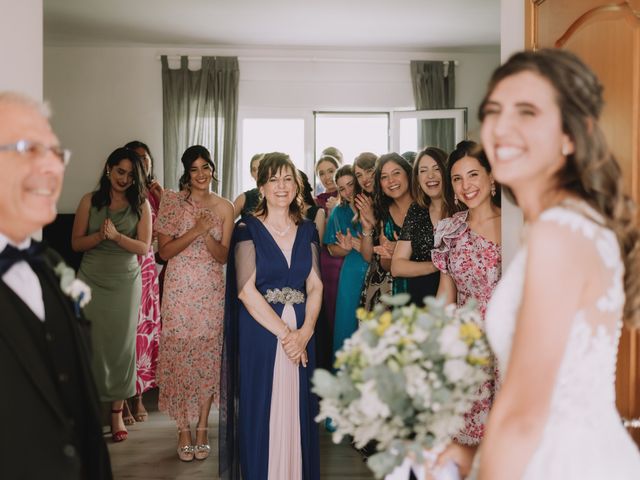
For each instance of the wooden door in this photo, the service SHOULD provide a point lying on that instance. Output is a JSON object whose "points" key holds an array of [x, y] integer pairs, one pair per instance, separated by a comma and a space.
{"points": [[606, 35]]}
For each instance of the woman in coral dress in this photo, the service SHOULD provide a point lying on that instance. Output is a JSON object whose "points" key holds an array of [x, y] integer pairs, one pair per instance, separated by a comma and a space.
{"points": [[194, 228]]}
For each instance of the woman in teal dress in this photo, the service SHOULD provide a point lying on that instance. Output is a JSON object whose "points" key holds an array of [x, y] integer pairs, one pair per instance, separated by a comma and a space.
{"points": [[112, 226], [343, 238]]}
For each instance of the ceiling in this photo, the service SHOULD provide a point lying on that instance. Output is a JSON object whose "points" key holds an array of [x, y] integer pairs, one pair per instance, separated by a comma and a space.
{"points": [[350, 24]]}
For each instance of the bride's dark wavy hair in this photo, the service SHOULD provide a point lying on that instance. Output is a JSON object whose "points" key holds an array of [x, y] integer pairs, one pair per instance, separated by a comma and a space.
{"points": [[590, 172]]}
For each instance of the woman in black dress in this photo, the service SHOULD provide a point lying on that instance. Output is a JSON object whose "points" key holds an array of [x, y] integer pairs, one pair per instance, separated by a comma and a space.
{"points": [[433, 201]]}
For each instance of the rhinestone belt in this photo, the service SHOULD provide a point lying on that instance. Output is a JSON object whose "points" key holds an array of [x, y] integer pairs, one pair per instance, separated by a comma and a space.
{"points": [[285, 295]]}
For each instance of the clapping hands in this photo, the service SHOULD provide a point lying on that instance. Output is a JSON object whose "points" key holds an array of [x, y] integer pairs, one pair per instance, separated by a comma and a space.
{"points": [[331, 203], [386, 247]]}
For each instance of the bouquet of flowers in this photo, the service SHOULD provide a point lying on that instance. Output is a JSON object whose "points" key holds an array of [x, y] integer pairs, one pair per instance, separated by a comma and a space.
{"points": [[405, 379]]}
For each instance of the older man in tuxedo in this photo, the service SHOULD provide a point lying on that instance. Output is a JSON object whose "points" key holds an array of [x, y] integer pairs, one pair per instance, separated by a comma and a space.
{"points": [[50, 412]]}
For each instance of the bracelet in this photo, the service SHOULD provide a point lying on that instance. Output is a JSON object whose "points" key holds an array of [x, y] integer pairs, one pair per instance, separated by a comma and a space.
{"points": [[365, 234]]}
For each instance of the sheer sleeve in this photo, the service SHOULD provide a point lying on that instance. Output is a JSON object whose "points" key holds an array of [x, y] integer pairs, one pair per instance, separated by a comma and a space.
{"points": [[245, 261], [315, 253]]}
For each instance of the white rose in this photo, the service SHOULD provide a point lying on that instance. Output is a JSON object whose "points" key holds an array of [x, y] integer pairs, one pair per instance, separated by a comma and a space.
{"points": [[456, 370], [450, 342]]}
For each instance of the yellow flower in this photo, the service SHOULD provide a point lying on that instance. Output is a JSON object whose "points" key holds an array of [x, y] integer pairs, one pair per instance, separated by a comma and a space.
{"points": [[384, 322], [482, 361], [469, 332], [361, 314]]}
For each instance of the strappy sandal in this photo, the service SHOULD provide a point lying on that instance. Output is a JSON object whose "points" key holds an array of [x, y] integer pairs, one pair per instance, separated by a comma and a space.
{"points": [[185, 452], [140, 416], [120, 435], [202, 450], [127, 417]]}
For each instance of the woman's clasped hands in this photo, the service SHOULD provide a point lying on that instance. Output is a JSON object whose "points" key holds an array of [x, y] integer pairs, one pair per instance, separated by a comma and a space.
{"points": [[204, 222], [108, 231], [294, 343]]}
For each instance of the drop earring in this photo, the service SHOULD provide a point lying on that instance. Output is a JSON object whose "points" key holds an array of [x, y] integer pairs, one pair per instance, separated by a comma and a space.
{"points": [[493, 189], [107, 173], [565, 150], [455, 200]]}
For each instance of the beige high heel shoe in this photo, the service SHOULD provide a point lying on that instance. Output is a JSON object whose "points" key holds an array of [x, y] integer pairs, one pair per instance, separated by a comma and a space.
{"points": [[202, 450], [185, 452]]}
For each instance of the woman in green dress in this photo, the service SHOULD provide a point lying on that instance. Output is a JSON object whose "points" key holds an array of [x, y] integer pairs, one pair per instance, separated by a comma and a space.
{"points": [[112, 226]]}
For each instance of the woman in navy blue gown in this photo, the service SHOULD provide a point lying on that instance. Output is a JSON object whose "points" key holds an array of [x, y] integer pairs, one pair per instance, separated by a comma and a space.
{"points": [[274, 293]]}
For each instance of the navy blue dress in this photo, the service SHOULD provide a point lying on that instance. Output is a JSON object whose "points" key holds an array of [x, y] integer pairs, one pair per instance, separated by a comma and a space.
{"points": [[249, 353]]}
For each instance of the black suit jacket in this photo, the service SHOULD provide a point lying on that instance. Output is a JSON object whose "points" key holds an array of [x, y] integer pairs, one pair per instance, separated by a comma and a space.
{"points": [[36, 435]]}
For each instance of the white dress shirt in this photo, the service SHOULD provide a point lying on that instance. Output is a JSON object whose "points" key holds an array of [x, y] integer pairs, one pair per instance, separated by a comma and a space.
{"points": [[23, 281]]}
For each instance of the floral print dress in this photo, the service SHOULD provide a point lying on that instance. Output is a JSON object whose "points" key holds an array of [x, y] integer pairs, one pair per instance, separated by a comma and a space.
{"points": [[192, 315], [148, 330], [475, 265]]}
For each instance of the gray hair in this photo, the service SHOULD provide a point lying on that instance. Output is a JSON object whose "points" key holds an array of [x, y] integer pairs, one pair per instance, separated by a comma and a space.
{"points": [[15, 98]]}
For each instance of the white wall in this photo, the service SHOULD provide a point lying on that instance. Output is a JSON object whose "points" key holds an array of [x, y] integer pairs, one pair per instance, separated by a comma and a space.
{"points": [[511, 40], [105, 96], [21, 47]]}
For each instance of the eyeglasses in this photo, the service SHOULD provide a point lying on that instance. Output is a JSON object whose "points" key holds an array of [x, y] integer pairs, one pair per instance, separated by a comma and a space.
{"points": [[37, 149]]}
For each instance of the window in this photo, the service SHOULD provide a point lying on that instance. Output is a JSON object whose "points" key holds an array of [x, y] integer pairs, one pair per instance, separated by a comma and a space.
{"points": [[352, 133], [262, 135], [405, 127]]}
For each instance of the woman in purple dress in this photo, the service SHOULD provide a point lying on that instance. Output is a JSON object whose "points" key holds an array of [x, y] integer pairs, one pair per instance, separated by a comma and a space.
{"points": [[330, 266]]}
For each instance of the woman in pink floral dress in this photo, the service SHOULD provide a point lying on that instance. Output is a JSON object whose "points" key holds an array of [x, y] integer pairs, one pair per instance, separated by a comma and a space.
{"points": [[194, 230], [467, 253]]}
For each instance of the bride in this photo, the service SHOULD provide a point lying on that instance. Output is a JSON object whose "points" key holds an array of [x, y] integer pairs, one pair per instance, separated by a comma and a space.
{"points": [[555, 318]]}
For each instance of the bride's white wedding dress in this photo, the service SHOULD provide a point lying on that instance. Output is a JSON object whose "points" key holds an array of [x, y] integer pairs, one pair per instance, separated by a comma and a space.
{"points": [[583, 436]]}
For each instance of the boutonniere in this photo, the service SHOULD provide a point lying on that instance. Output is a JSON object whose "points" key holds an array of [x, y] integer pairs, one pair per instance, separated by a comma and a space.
{"points": [[77, 290]]}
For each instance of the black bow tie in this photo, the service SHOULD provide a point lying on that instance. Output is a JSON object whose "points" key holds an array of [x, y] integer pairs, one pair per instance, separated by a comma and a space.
{"points": [[11, 255]]}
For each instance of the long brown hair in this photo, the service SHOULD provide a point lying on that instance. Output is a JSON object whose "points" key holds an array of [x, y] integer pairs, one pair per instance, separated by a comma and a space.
{"points": [[421, 198], [591, 172], [271, 164]]}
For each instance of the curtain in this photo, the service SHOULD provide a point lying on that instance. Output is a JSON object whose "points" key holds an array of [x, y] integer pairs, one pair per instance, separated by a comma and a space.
{"points": [[201, 108], [434, 88]]}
